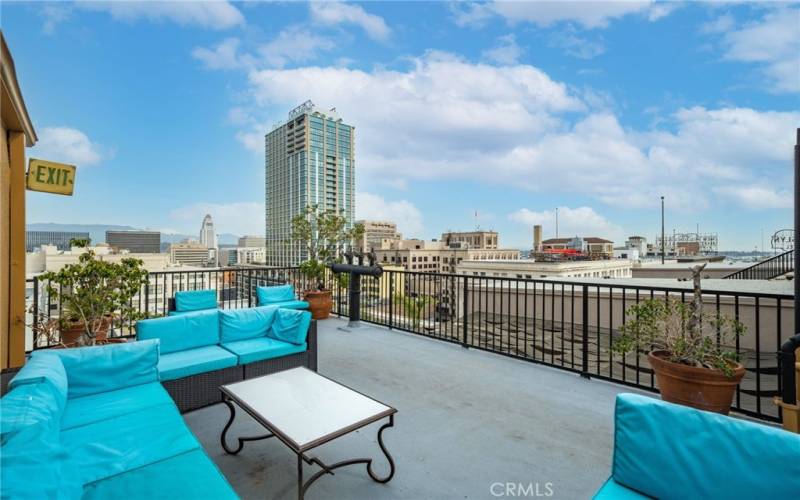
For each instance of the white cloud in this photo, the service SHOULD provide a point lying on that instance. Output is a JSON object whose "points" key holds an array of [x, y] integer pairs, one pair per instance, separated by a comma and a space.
{"points": [[67, 145], [54, 14], [579, 221], [333, 13], [224, 55], [772, 42], [506, 51], [447, 118], [758, 197], [575, 45], [216, 15], [589, 14], [294, 44], [237, 218], [374, 207]]}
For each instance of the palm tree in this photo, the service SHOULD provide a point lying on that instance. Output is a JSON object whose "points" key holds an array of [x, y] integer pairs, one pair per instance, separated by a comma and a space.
{"points": [[413, 306]]}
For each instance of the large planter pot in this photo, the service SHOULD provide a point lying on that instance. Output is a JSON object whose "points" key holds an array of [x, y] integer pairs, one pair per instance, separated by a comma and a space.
{"points": [[320, 303], [71, 334], [700, 388]]}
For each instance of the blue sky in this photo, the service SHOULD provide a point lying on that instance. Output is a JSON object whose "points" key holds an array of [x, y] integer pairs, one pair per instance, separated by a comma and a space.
{"points": [[504, 109]]}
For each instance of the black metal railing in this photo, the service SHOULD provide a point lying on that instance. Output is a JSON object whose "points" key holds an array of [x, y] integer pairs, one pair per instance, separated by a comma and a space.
{"points": [[568, 324], [767, 269]]}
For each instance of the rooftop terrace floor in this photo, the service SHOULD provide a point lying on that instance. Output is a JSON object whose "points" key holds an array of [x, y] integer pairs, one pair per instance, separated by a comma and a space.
{"points": [[466, 419]]}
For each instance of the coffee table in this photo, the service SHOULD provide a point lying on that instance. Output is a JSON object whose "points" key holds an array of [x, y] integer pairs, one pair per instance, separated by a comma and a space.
{"points": [[304, 410]]}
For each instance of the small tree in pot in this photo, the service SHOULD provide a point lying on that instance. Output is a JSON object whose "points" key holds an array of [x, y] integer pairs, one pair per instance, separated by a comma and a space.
{"points": [[324, 235], [690, 351], [93, 293]]}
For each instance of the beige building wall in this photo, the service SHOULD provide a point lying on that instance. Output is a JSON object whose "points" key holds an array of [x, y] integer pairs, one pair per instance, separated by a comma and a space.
{"points": [[529, 269]]}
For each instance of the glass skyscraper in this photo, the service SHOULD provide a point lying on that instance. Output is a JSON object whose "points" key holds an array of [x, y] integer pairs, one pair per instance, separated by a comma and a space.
{"points": [[309, 161]]}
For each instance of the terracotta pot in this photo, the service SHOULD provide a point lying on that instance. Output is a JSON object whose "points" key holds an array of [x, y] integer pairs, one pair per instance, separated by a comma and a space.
{"points": [[701, 388], [320, 303], [71, 335]]}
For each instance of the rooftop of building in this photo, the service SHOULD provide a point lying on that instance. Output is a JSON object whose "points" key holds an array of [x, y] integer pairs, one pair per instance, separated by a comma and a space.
{"points": [[587, 239], [456, 432]]}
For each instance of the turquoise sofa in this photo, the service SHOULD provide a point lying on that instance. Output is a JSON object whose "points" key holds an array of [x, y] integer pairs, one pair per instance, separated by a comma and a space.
{"points": [[204, 349], [663, 450], [279, 295], [94, 422]]}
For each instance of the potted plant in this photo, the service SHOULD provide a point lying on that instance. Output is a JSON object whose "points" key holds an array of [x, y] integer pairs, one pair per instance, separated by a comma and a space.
{"points": [[93, 293], [324, 235], [691, 352]]}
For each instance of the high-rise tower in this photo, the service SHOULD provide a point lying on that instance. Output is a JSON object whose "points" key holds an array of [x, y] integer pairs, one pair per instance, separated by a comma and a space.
{"points": [[207, 235], [309, 161]]}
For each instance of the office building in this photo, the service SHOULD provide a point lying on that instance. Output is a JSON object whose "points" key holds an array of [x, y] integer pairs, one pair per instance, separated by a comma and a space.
{"points": [[207, 235], [241, 255], [51, 258], [135, 241], [190, 254], [529, 269], [252, 241], [58, 239], [437, 256], [376, 234], [484, 240], [309, 161], [590, 246]]}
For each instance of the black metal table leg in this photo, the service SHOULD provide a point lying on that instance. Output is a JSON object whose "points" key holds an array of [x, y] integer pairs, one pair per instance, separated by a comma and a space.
{"points": [[328, 469], [241, 440]]}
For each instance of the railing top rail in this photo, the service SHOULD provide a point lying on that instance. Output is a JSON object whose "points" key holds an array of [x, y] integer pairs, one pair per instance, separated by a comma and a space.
{"points": [[604, 284], [779, 257]]}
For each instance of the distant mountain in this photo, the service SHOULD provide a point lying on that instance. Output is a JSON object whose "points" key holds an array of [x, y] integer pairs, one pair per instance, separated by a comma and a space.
{"points": [[97, 232]]}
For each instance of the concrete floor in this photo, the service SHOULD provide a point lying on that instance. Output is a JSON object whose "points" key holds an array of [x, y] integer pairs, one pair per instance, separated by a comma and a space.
{"points": [[468, 423]]}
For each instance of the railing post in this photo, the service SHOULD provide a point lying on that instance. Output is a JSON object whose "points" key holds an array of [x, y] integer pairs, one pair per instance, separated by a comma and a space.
{"points": [[249, 288], [585, 331], [391, 299], [35, 303], [147, 297], [464, 314]]}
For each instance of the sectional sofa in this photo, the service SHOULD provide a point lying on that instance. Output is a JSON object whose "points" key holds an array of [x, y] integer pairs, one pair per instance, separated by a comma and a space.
{"points": [[663, 450], [201, 300], [95, 422], [202, 350]]}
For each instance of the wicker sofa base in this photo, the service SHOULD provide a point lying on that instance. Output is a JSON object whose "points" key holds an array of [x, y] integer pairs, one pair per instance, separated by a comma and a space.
{"points": [[196, 391]]}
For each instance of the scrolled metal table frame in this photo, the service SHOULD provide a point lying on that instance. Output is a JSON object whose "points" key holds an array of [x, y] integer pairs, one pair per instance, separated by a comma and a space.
{"points": [[302, 486]]}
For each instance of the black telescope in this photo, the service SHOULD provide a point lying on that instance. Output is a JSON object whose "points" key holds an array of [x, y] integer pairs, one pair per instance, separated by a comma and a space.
{"points": [[354, 288]]}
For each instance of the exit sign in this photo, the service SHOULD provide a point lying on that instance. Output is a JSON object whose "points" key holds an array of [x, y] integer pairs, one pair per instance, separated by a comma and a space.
{"points": [[51, 177]]}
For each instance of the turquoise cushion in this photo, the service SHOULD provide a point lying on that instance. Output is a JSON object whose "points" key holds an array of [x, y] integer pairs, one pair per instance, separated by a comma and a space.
{"points": [[92, 370], [269, 295], [181, 332], [30, 408], [116, 445], [612, 490], [45, 367], [670, 451], [262, 348], [98, 407], [290, 326], [243, 324], [188, 475], [195, 300], [293, 304], [185, 363], [34, 466]]}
